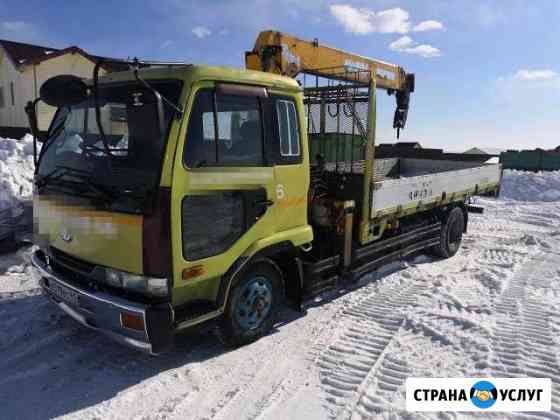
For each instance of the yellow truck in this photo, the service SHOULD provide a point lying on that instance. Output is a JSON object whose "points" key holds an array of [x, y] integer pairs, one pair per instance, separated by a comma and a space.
{"points": [[171, 195]]}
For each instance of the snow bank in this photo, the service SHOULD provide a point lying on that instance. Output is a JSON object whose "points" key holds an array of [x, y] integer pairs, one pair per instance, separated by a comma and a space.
{"points": [[16, 171], [531, 186]]}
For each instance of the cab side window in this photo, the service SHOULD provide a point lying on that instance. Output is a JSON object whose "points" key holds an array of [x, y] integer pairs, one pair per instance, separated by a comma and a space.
{"points": [[224, 130], [287, 127], [200, 147]]}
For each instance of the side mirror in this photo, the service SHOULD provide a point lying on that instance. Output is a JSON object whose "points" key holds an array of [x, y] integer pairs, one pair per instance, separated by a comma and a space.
{"points": [[63, 90]]}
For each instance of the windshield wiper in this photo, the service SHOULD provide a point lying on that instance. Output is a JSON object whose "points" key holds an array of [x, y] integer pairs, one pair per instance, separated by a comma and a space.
{"points": [[200, 163], [83, 175], [60, 170]]}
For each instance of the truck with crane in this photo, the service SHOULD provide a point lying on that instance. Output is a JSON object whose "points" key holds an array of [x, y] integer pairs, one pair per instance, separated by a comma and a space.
{"points": [[170, 195]]}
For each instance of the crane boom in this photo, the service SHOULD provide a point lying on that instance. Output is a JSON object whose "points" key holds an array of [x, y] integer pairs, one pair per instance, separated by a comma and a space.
{"points": [[280, 53]]}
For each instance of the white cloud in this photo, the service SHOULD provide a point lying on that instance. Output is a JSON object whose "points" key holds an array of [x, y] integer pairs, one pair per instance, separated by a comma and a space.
{"points": [[364, 21], [166, 44], [424, 50], [201, 31], [407, 45], [15, 26], [428, 25], [401, 43], [352, 19], [391, 21], [536, 75], [525, 86], [224, 32], [18, 30]]}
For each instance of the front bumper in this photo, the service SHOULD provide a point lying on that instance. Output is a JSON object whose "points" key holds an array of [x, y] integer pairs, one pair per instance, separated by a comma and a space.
{"points": [[103, 312]]}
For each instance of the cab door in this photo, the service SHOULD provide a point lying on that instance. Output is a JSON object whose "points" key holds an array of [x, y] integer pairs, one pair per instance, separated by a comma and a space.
{"points": [[223, 186], [287, 148]]}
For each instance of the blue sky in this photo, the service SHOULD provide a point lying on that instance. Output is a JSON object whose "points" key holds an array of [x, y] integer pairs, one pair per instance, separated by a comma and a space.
{"points": [[487, 72]]}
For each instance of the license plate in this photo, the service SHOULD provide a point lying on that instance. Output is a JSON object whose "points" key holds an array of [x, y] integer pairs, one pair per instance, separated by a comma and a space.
{"points": [[64, 293]]}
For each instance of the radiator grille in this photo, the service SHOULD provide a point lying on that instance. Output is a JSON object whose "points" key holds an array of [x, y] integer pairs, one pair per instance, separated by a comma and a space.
{"points": [[71, 262]]}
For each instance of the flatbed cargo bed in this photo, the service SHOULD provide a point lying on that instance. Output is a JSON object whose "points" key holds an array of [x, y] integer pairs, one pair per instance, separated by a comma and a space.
{"points": [[419, 182], [407, 185]]}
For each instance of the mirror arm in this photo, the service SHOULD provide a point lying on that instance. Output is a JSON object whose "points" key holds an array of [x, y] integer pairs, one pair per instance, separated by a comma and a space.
{"points": [[159, 98], [97, 110], [135, 67], [31, 111], [161, 117]]}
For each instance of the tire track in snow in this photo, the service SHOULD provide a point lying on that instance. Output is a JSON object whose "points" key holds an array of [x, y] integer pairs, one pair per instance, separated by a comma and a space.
{"points": [[523, 342], [378, 392], [349, 365], [252, 400], [501, 228]]}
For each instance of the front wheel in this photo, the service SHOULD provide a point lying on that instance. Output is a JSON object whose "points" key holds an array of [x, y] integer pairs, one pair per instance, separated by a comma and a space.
{"points": [[451, 234], [253, 304]]}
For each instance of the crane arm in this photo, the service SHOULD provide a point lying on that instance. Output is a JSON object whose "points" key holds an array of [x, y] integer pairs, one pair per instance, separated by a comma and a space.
{"points": [[277, 52], [280, 53]]}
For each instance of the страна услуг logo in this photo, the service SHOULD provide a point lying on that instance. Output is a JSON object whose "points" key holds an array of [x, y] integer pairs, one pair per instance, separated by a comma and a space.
{"points": [[483, 394]]}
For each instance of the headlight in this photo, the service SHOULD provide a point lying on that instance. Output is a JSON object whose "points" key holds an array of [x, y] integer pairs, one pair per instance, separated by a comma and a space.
{"points": [[137, 283], [134, 282], [113, 278]]}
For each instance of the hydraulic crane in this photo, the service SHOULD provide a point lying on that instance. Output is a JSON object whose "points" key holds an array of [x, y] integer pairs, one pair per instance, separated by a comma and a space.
{"points": [[280, 53]]}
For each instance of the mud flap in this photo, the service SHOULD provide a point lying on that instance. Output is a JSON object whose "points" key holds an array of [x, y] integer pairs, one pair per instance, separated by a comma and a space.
{"points": [[159, 326], [294, 288]]}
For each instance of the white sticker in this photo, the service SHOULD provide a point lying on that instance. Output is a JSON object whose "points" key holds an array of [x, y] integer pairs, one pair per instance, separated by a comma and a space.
{"points": [[280, 193]]}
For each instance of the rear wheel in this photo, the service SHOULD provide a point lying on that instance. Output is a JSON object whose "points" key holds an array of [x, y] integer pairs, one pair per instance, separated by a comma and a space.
{"points": [[253, 304], [451, 234]]}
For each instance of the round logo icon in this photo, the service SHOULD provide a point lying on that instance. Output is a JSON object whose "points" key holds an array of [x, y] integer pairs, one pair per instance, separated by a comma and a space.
{"points": [[483, 394]]}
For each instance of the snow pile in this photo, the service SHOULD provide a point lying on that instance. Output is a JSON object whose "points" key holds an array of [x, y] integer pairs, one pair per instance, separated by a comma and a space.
{"points": [[530, 186], [16, 171]]}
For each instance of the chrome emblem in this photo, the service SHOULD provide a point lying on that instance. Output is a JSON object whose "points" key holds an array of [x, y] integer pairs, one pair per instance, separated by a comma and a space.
{"points": [[65, 235], [136, 99]]}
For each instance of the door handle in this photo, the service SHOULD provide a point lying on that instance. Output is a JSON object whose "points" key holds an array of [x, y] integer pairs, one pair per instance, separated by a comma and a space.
{"points": [[266, 203]]}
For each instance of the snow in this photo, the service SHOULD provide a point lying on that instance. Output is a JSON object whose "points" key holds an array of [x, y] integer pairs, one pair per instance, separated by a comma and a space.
{"points": [[16, 171], [529, 186], [492, 310]]}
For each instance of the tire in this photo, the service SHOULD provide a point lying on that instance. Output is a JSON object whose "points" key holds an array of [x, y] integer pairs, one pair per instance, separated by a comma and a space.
{"points": [[451, 234], [253, 304]]}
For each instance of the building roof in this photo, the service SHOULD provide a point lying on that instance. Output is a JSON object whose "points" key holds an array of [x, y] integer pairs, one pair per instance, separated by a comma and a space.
{"points": [[402, 145], [20, 52], [25, 54], [492, 151]]}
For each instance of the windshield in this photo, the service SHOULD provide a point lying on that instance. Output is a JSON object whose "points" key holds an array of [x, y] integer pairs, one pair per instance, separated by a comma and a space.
{"points": [[129, 119]]}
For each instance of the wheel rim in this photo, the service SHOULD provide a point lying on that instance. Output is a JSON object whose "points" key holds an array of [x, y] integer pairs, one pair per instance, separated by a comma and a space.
{"points": [[253, 303]]}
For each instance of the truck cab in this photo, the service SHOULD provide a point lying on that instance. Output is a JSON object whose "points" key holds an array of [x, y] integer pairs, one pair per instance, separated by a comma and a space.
{"points": [[146, 216]]}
